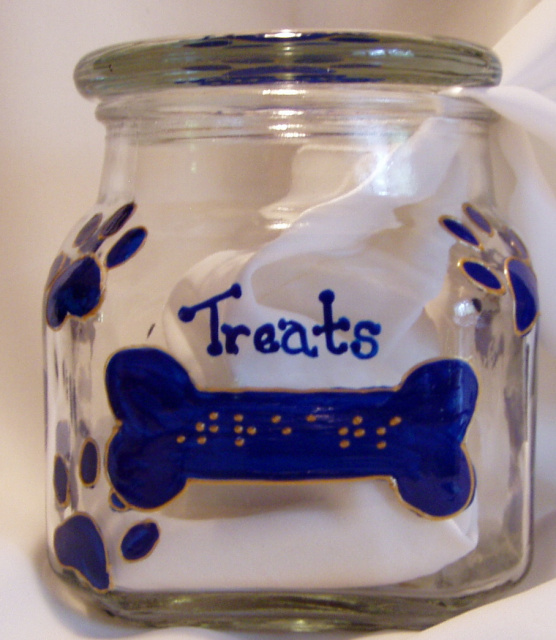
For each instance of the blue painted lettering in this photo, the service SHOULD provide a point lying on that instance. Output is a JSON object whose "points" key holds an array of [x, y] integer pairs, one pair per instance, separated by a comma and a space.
{"points": [[187, 314], [232, 334], [265, 339], [327, 297], [293, 339], [363, 333], [295, 330]]}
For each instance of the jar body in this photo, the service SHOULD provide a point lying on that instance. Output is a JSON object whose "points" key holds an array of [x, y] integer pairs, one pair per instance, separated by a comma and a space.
{"points": [[290, 365]]}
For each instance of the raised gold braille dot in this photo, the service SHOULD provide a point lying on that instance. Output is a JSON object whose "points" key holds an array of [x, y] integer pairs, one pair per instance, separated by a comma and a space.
{"points": [[202, 440], [344, 444], [381, 445], [239, 442], [238, 428], [359, 433], [357, 420], [251, 430], [213, 415], [180, 439], [343, 431], [276, 419], [238, 417], [395, 421], [381, 431], [311, 418], [286, 431], [214, 428], [200, 426]]}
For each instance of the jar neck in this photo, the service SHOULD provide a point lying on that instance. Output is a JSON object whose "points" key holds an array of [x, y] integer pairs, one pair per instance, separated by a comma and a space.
{"points": [[260, 110], [168, 144]]}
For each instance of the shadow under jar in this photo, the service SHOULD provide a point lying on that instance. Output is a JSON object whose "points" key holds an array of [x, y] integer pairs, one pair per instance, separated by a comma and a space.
{"points": [[290, 350]]}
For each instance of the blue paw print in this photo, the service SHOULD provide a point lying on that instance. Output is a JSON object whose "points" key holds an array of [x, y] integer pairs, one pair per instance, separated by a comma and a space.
{"points": [[515, 271], [78, 542], [76, 287], [79, 546]]}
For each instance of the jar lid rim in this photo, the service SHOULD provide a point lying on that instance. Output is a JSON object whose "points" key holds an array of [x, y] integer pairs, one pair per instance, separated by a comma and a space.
{"points": [[286, 57]]}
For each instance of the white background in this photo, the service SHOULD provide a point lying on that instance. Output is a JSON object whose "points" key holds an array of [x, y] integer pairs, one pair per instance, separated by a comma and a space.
{"points": [[51, 154]]}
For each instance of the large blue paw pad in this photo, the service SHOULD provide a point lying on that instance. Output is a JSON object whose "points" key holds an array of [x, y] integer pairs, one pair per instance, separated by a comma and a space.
{"points": [[76, 291], [523, 285], [79, 546]]}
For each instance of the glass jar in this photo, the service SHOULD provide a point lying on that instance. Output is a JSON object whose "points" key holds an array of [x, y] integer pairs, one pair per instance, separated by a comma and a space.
{"points": [[290, 349]]}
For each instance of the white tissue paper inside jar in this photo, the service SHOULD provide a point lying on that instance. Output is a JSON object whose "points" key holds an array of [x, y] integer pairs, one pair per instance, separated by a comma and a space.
{"points": [[385, 257]]}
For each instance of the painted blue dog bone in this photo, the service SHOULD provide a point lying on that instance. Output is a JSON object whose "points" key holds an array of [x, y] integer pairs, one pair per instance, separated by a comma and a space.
{"points": [[170, 432]]}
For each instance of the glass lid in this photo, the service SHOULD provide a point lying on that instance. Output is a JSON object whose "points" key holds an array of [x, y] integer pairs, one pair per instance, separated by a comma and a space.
{"points": [[286, 57]]}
